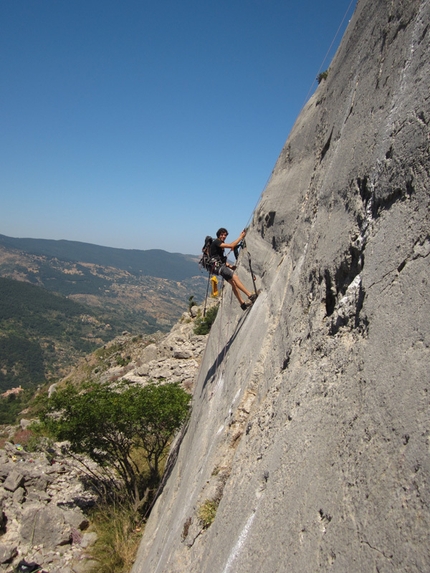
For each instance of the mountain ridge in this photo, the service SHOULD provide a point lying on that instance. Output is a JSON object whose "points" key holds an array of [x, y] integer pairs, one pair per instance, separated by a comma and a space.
{"points": [[42, 334], [107, 300], [159, 292], [152, 262]]}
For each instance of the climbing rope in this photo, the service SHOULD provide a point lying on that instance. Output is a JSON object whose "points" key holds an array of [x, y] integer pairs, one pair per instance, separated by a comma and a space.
{"points": [[306, 99], [220, 359], [206, 297], [252, 272], [328, 51]]}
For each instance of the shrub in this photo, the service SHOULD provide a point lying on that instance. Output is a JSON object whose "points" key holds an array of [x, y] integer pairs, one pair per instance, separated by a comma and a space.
{"points": [[322, 76], [125, 429], [191, 303], [203, 324]]}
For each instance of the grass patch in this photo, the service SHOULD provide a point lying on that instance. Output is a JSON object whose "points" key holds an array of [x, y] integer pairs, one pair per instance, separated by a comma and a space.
{"points": [[119, 533], [207, 512]]}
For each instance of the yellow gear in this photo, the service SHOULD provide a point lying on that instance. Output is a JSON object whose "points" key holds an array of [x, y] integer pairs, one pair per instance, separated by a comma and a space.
{"points": [[214, 283]]}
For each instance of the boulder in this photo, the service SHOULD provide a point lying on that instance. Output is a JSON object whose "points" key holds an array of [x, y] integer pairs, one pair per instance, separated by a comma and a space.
{"points": [[44, 526], [18, 495], [182, 353], [24, 423], [5, 469], [14, 479], [149, 353], [88, 539], [7, 552], [75, 518]]}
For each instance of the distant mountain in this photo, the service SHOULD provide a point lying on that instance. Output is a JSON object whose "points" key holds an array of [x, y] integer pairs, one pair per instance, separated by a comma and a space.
{"points": [[153, 263], [138, 291]]}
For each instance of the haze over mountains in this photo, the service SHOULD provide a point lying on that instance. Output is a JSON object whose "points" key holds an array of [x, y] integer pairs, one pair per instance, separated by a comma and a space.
{"points": [[103, 291], [152, 262]]}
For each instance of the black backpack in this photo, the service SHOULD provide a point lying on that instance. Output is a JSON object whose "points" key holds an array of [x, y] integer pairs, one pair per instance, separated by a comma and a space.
{"points": [[206, 262]]}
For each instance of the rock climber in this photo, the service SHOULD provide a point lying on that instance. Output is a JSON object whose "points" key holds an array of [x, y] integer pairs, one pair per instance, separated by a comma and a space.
{"points": [[224, 269]]}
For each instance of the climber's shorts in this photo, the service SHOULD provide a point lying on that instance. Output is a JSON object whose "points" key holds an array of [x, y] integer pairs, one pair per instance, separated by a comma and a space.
{"points": [[226, 272]]}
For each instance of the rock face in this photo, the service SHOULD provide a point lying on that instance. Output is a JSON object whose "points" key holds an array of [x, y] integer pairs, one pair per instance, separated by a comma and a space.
{"points": [[308, 446]]}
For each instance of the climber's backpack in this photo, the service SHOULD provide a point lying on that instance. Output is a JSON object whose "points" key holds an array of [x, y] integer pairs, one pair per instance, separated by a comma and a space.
{"points": [[206, 261]]}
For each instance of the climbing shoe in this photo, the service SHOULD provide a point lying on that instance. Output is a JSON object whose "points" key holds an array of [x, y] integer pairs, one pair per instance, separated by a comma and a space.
{"points": [[253, 297], [245, 305]]}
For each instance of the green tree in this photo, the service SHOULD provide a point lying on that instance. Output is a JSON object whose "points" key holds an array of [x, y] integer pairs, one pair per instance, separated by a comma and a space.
{"points": [[119, 428]]}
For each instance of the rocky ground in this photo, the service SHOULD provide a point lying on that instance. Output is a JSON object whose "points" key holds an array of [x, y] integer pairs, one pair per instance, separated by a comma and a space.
{"points": [[43, 502], [43, 497]]}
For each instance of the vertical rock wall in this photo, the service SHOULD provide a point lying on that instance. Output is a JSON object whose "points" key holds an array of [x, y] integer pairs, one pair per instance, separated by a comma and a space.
{"points": [[310, 434]]}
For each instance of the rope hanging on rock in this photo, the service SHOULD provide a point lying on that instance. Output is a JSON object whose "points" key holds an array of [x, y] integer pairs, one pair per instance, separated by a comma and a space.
{"points": [[307, 97]]}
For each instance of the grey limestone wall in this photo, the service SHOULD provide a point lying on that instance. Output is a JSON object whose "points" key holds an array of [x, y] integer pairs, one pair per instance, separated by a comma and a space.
{"points": [[310, 431]]}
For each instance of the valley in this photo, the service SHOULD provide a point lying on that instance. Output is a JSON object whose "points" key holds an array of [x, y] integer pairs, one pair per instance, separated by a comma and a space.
{"points": [[58, 303]]}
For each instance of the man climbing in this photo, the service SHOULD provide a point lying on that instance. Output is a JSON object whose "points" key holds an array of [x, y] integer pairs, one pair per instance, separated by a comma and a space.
{"points": [[226, 270]]}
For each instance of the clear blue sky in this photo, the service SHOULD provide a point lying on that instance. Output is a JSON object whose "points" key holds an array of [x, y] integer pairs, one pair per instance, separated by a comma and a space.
{"points": [[143, 125]]}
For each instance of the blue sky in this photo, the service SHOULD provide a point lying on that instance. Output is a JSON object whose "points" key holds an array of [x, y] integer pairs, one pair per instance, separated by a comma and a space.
{"points": [[143, 125]]}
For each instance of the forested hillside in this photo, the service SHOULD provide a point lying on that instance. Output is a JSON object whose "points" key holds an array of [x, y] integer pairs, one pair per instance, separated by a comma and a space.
{"points": [[145, 291], [60, 300], [42, 333]]}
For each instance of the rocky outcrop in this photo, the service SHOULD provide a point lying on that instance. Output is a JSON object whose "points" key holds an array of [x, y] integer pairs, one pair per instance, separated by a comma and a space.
{"points": [[307, 449], [172, 357], [42, 504], [175, 357]]}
